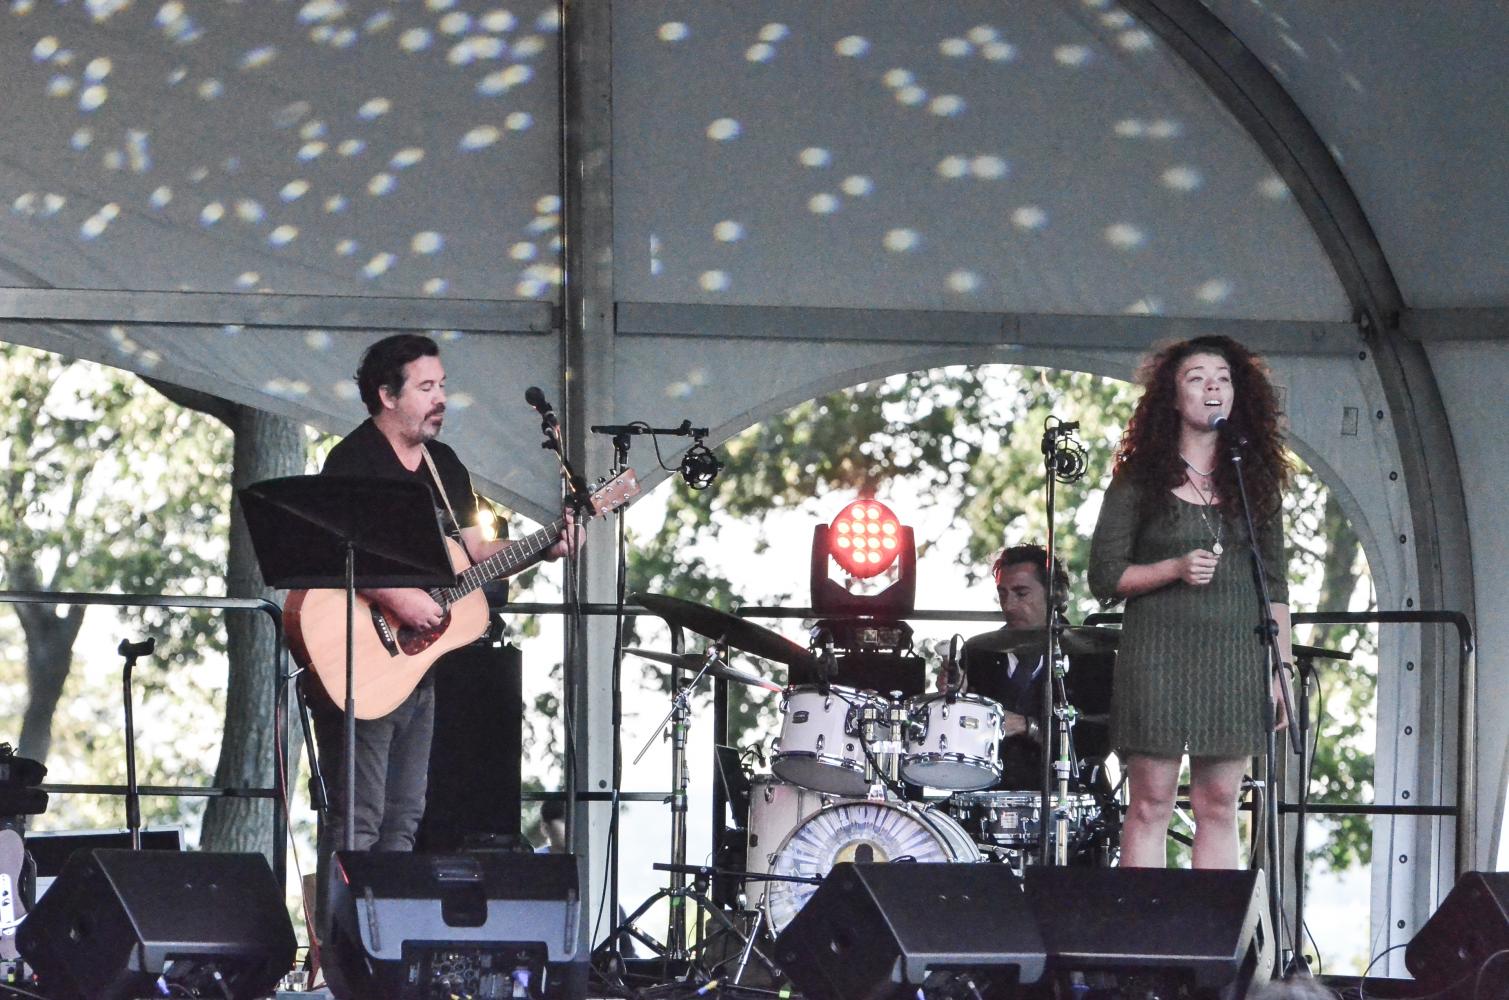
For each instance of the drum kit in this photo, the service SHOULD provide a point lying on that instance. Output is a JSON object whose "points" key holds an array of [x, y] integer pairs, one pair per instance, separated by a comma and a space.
{"points": [[847, 775]]}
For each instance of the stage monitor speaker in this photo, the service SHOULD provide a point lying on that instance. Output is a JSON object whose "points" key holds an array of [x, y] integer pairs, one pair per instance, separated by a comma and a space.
{"points": [[115, 922], [1451, 953], [1200, 931], [874, 931], [485, 925]]}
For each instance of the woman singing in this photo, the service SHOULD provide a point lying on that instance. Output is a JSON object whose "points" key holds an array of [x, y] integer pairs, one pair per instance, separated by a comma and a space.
{"points": [[1171, 541]]}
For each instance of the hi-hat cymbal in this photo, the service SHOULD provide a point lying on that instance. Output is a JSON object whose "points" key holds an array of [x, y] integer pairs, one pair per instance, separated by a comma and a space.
{"points": [[1076, 640], [720, 626], [693, 662]]}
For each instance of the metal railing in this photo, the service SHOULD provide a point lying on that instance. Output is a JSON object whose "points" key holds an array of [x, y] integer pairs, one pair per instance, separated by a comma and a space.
{"points": [[279, 708], [1467, 686]]}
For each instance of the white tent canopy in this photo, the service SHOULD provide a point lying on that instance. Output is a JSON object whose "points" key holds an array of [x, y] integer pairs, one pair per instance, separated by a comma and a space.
{"points": [[714, 210]]}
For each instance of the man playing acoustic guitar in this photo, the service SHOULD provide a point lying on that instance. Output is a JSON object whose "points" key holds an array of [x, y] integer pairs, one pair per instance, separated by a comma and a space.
{"points": [[402, 383]]}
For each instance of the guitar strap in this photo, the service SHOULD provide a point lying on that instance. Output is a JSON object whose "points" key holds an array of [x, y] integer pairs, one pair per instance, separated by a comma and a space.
{"points": [[440, 485]]}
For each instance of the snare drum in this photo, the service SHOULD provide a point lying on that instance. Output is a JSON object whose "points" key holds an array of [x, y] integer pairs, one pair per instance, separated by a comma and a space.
{"points": [[819, 746], [953, 743], [863, 832], [776, 808], [1015, 819]]}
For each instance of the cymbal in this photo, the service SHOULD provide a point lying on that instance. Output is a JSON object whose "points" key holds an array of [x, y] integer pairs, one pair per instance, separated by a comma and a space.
{"points": [[693, 662], [1076, 640], [721, 626]]}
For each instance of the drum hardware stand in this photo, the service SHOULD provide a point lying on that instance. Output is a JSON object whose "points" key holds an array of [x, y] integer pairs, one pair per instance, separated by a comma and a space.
{"points": [[675, 948], [883, 776], [1065, 765], [702, 876], [1291, 960], [1063, 462]]}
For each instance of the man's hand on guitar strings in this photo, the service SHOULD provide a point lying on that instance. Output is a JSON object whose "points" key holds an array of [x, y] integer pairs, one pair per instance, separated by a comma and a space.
{"points": [[413, 607]]}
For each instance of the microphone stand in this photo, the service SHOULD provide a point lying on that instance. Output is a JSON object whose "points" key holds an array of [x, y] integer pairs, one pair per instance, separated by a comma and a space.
{"points": [[1064, 462], [624, 430], [576, 493], [132, 651], [1267, 632], [620, 462]]}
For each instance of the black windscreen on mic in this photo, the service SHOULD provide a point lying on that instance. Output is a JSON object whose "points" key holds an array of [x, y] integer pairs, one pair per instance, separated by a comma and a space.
{"points": [[535, 397], [1218, 422]]}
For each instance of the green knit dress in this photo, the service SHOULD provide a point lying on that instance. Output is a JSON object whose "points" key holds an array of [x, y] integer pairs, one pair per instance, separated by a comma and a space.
{"points": [[1191, 676]]}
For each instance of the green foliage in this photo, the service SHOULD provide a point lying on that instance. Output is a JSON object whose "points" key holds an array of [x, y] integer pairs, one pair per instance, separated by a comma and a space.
{"points": [[1324, 547], [110, 488]]}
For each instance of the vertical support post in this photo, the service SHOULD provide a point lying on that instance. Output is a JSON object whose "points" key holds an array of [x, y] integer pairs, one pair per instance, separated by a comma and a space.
{"points": [[587, 386]]}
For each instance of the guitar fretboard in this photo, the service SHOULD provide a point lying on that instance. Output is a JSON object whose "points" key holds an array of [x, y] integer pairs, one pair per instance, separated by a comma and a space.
{"points": [[518, 555]]}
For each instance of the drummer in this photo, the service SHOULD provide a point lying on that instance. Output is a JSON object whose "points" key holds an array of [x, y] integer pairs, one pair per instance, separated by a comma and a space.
{"points": [[1014, 678]]}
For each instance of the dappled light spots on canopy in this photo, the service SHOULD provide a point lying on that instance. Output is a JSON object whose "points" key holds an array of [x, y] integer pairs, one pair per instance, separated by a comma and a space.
{"points": [[125, 117], [944, 123]]}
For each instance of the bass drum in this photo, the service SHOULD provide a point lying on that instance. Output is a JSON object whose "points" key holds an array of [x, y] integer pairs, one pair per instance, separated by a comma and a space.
{"points": [[859, 831], [776, 808]]}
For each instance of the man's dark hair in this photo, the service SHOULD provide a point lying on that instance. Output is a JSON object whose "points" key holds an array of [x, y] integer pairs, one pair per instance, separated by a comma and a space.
{"points": [[383, 363], [552, 809], [1037, 557]]}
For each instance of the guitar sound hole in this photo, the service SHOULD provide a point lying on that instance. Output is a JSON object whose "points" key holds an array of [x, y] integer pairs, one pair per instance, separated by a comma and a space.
{"points": [[413, 641]]}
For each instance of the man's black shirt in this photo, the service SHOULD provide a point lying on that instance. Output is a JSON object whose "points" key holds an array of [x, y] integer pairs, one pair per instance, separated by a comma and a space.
{"points": [[366, 452]]}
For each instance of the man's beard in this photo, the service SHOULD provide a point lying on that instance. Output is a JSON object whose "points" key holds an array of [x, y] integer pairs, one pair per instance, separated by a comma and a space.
{"points": [[429, 427]]}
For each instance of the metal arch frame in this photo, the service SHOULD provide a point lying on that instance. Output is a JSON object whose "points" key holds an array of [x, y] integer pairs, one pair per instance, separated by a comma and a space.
{"points": [[1237, 78]]}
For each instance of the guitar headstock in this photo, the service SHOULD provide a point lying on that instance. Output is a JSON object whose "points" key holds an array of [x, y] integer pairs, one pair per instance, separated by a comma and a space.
{"points": [[614, 493]]}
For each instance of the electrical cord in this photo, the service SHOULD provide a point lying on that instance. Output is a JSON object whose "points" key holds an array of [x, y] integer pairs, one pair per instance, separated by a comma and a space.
{"points": [[279, 740], [1304, 797], [1445, 991], [14, 990], [1477, 985], [610, 866]]}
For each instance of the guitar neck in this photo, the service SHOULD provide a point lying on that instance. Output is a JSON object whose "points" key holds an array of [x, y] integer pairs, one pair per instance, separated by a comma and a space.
{"points": [[511, 559]]}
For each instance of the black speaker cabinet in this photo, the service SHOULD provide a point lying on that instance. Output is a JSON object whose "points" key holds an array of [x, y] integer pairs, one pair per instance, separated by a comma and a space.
{"points": [[473, 792], [875, 931], [485, 925], [1184, 930], [1469, 928], [114, 921]]}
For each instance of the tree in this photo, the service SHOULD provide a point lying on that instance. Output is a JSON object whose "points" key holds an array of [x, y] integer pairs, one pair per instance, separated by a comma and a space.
{"points": [[97, 500], [266, 447]]}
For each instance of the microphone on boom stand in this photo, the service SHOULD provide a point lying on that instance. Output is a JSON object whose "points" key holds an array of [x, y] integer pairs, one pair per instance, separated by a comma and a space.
{"points": [[535, 397], [827, 661], [952, 669]]}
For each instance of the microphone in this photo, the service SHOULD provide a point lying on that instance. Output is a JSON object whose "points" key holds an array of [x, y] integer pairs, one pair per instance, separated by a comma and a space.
{"points": [[535, 397], [955, 675], [699, 466], [136, 649], [1224, 425]]}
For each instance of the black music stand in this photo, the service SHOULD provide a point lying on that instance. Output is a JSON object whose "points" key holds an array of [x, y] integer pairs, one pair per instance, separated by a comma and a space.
{"points": [[338, 533]]}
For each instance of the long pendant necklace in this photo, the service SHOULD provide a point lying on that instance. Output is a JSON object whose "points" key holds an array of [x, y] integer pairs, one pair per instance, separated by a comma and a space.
{"points": [[1206, 502]]}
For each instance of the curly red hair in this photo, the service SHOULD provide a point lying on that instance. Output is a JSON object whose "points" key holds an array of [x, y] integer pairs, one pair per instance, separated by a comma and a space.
{"points": [[1148, 455]]}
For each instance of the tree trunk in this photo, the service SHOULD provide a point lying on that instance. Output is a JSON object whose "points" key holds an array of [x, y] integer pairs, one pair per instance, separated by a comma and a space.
{"points": [[266, 447], [1338, 572], [49, 657]]}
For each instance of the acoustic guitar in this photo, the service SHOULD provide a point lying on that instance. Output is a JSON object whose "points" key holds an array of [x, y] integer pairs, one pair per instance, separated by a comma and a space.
{"points": [[391, 659]]}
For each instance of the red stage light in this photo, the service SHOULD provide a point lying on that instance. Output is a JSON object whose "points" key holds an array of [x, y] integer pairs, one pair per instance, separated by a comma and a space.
{"points": [[864, 538]]}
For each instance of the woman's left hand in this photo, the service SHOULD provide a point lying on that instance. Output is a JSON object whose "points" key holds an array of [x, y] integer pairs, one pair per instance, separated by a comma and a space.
{"points": [[1280, 716]]}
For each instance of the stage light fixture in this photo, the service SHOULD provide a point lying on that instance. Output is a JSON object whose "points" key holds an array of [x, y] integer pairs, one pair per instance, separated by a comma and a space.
{"points": [[871, 546], [866, 538]]}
